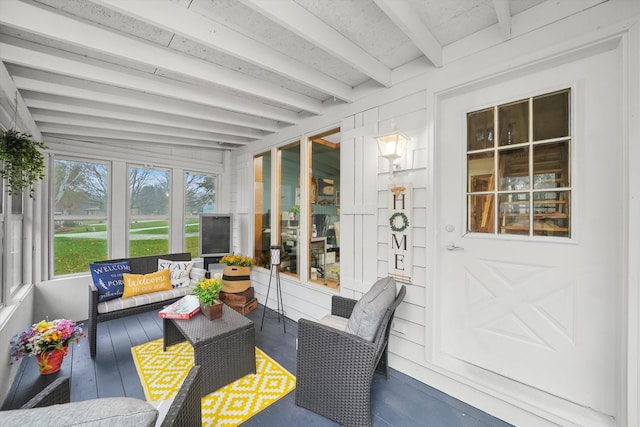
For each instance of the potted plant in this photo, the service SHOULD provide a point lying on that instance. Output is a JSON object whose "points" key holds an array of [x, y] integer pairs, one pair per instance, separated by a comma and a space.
{"points": [[236, 276], [293, 215], [208, 292], [22, 162], [48, 341]]}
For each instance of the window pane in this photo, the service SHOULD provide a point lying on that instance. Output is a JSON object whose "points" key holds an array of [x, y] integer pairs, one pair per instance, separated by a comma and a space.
{"points": [[80, 215], [513, 122], [481, 215], [551, 116], [480, 132], [550, 165], [514, 169], [289, 200], [551, 213], [148, 211], [262, 208], [514, 213], [480, 168], [324, 251], [199, 197]]}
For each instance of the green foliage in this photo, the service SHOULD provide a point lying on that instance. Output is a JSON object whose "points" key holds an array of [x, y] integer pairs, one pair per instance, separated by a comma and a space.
{"points": [[22, 161], [208, 290]]}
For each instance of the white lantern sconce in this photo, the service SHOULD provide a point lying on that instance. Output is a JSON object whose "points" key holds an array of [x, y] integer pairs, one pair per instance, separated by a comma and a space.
{"points": [[392, 147]]}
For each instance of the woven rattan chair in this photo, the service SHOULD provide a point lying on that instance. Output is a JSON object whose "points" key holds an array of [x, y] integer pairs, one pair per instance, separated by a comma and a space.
{"points": [[335, 368], [185, 410]]}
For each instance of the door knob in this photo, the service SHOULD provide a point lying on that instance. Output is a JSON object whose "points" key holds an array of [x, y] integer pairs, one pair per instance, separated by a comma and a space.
{"points": [[452, 247]]}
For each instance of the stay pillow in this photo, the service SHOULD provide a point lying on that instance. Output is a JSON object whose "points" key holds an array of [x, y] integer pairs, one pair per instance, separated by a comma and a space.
{"points": [[178, 271], [107, 277], [137, 284], [367, 314]]}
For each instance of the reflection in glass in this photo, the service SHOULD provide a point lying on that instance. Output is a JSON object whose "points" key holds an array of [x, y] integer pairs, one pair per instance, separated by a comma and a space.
{"points": [[551, 116], [289, 208], [514, 213], [199, 197], [551, 213], [480, 169], [514, 169], [550, 165], [480, 132], [481, 215], [513, 123]]}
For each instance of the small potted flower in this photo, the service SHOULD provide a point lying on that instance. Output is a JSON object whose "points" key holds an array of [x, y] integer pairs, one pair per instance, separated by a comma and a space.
{"points": [[48, 341], [236, 275], [208, 292]]}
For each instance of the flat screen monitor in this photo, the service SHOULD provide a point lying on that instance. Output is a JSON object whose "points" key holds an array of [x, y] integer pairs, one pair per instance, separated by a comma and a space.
{"points": [[215, 234]]}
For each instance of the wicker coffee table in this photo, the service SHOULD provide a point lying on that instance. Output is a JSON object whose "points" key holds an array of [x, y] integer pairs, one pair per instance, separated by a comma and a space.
{"points": [[224, 348]]}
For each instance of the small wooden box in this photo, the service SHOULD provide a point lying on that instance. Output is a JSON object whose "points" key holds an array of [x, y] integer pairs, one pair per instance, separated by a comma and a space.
{"points": [[237, 298], [245, 308]]}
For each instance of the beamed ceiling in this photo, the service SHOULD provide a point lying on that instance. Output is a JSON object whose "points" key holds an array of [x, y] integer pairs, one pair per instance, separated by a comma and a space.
{"points": [[225, 73]]}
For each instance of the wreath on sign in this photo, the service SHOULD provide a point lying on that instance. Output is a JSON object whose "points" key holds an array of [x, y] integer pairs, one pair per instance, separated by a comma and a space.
{"points": [[392, 222]]}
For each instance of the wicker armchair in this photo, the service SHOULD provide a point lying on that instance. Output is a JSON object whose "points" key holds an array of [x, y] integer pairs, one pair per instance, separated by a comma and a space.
{"points": [[335, 368], [185, 410]]}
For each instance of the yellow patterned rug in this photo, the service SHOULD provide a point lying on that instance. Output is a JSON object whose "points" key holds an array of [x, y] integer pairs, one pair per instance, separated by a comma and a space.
{"points": [[161, 374]]}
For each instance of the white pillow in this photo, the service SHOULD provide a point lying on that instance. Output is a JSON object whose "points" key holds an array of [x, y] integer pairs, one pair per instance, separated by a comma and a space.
{"points": [[178, 270], [368, 312]]}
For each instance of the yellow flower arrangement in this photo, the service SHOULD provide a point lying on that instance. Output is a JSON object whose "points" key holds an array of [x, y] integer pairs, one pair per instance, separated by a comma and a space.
{"points": [[208, 290], [237, 260]]}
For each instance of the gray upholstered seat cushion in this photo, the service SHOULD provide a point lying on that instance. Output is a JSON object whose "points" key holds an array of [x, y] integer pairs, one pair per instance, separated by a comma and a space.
{"points": [[106, 412], [369, 310]]}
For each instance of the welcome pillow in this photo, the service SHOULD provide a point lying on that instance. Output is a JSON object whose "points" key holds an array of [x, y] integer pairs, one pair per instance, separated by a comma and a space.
{"points": [[178, 271], [107, 277], [137, 284], [368, 312]]}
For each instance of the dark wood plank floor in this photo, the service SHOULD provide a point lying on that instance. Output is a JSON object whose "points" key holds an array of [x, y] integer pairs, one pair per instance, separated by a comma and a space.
{"points": [[398, 401]]}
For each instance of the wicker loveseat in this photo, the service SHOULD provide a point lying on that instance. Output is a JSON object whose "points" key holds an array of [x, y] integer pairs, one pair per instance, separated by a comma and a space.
{"points": [[52, 407], [335, 368], [118, 308]]}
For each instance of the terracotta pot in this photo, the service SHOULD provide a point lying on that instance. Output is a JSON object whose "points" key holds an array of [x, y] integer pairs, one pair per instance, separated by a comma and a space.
{"points": [[236, 279], [51, 362], [213, 311]]}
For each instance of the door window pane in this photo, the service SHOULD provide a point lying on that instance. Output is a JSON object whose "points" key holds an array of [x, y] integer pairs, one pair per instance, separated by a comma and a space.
{"points": [[551, 113], [551, 165], [481, 133]]}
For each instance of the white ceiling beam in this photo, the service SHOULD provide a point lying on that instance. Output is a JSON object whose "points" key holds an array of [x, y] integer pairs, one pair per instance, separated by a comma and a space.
{"points": [[121, 77], [25, 17], [297, 19], [504, 17], [82, 133], [401, 13], [59, 104], [81, 120], [184, 22], [37, 81]]}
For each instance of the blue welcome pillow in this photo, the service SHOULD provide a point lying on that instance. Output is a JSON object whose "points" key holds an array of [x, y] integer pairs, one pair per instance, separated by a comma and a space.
{"points": [[107, 277]]}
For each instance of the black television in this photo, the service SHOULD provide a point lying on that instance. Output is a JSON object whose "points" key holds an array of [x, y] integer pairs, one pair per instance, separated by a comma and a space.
{"points": [[215, 234]]}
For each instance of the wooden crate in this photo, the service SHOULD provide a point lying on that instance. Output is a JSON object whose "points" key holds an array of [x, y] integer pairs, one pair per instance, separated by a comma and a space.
{"points": [[237, 298], [245, 308]]}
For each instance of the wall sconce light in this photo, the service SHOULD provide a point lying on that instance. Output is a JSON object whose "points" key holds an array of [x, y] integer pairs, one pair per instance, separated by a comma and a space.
{"points": [[392, 147]]}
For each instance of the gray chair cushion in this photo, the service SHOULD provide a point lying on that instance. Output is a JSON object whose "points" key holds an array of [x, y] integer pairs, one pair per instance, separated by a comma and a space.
{"points": [[106, 412], [369, 310]]}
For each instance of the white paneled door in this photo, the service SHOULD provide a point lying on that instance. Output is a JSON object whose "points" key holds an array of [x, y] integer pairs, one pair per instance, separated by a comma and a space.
{"points": [[537, 316]]}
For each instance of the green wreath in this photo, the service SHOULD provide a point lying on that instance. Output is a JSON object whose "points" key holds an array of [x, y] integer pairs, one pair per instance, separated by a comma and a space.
{"points": [[405, 222]]}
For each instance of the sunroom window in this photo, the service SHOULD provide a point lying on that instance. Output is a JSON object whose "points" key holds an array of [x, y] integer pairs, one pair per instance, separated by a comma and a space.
{"points": [[524, 166]]}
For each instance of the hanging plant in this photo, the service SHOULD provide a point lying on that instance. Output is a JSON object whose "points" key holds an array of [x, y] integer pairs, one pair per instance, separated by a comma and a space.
{"points": [[22, 161]]}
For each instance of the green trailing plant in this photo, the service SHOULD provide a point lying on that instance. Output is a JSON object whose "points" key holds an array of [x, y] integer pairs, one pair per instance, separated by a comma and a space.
{"points": [[22, 161]]}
